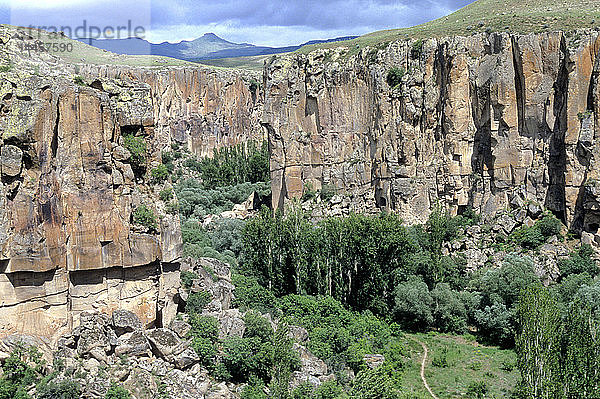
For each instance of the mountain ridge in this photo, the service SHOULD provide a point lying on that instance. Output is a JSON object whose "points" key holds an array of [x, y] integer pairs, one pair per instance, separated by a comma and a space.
{"points": [[206, 47]]}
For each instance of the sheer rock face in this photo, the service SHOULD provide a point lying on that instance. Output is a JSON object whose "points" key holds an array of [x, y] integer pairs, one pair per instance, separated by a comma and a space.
{"points": [[476, 121], [68, 190], [68, 243], [202, 108]]}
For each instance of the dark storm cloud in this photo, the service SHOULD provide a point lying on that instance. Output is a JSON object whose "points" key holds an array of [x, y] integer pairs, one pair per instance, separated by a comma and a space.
{"points": [[316, 14]]}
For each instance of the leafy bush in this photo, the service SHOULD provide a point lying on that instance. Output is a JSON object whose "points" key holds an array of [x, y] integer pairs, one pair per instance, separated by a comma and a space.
{"points": [[449, 312], [413, 304], [379, 383], [204, 327], [329, 390], [477, 390], [327, 192], [79, 81], [578, 262], [197, 301], [187, 278], [527, 237], [254, 390], [416, 49], [226, 235], [172, 208], [233, 165], [117, 392], [204, 334], [534, 236], [549, 225], [251, 295], [137, 148], [394, 76], [159, 174], [244, 357], [500, 289], [257, 326], [205, 349], [196, 201], [65, 389], [440, 358], [166, 195], [145, 216], [308, 192]]}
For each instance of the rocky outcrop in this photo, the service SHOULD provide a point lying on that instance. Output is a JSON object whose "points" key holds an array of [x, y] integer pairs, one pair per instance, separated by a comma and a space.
{"points": [[478, 121], [202, 108], [68, 241]]}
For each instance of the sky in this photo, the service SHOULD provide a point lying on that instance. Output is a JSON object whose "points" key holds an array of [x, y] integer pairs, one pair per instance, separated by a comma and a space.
{"points": [[261, 22]]}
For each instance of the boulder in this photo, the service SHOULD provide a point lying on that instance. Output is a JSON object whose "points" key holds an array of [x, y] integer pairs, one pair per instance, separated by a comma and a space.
{"points": [[125, 321], [134, 343], [186, 358], [168, 345], [11, 159], [180, 327]]}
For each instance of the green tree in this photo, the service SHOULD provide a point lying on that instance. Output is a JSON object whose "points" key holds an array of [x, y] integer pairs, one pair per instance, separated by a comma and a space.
{"points": [[137, 148], [538, 343], [581, 348], [64, 389], [413, 304], [145, 216]]}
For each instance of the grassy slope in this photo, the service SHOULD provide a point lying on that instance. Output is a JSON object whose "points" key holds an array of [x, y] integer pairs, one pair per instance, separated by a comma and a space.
{"points": [[519, 16], [86, 54], [254, 63], [468, 362]]}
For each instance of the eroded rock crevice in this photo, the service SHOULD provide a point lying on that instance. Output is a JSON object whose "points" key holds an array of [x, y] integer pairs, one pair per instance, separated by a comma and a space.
{"points": [[478, 121]]}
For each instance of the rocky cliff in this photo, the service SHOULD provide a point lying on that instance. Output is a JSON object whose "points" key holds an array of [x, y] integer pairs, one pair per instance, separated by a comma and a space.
{"points": [[488, 121], [202, 108], [69, 241], [478, 121]]}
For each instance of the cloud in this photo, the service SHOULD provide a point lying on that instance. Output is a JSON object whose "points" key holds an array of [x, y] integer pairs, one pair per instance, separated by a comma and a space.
{"points": [[266, 22], [45, 4]]}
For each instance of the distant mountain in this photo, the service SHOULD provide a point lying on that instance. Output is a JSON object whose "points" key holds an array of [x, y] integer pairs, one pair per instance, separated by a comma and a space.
{"points": [[207, 47]]}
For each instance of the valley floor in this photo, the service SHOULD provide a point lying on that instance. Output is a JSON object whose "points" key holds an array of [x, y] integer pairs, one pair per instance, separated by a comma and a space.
{"points": [[456, 365]]}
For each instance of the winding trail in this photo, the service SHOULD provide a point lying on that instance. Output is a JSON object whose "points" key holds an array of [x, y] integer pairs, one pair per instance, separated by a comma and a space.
{"points": [[425, 352]]}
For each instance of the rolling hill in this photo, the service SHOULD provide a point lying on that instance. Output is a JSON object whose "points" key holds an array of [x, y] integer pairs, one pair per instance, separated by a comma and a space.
{"points": [[517, 16]]}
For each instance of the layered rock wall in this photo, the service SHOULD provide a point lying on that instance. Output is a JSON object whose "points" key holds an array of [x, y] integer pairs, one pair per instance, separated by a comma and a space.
{"points": [[69, 187], [204, 109], [476, 121]]}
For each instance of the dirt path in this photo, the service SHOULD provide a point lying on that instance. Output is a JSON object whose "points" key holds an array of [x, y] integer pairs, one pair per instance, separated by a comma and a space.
{"points": [[425, 352]]}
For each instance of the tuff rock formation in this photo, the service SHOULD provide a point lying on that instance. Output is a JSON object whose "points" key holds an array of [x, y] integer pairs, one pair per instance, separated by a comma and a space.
{"points": [[478, 121], [202, 108], [69, 186]]}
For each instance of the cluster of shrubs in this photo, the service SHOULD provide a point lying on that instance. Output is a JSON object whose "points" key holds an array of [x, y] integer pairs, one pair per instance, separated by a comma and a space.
{"points": [[197, 201], [263, 355], [145, 216], [137, 148], [25, 370], [229, 166], [534, 236]]}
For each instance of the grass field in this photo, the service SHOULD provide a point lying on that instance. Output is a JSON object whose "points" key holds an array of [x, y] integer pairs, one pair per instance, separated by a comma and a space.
{"points": [[456, 362]]}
